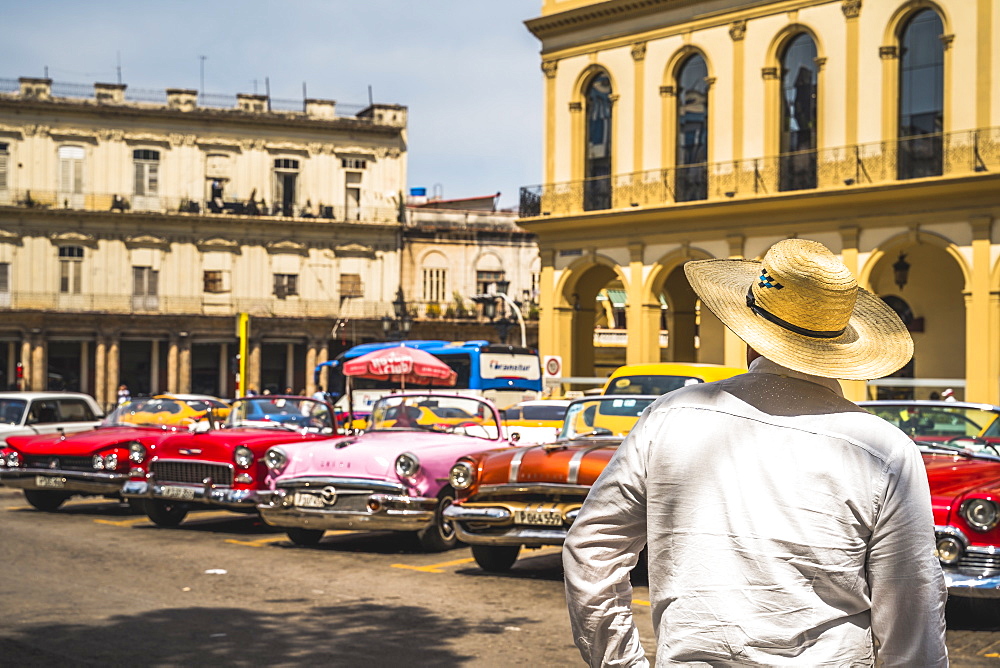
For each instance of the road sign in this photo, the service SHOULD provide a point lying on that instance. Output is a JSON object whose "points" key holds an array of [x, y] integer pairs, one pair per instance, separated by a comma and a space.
{"points": [[552, 366]]}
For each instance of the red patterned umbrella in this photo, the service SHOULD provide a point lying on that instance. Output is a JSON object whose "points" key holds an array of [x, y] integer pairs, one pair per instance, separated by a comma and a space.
{"points": [[406, 365]]}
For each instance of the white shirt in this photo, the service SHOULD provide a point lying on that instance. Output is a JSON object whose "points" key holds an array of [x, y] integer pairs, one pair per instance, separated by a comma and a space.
{"points": [[785, 525]]}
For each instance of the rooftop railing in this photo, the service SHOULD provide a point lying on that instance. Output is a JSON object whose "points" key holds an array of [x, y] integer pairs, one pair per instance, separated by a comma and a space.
{"points": [[945, 155], [53, 199]]}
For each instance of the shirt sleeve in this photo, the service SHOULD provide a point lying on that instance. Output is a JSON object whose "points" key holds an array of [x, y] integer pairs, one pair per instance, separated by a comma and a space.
{"points": [[908, 591], [602, 547]]}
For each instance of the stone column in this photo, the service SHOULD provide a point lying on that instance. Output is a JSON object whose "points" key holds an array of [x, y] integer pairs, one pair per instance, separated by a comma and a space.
{"points": [[26, 363], [311, 355], [253, 366], [113, 378], [290, 368], [172, 355], [855, 390], [154, 367], [981, 357], [184, 365], [101, 371], [39, 363], [223, 381], [84, 366]]}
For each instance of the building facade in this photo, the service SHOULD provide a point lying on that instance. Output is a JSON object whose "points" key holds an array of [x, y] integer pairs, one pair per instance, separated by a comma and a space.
{"points": [[133, 233], [685, 129]]}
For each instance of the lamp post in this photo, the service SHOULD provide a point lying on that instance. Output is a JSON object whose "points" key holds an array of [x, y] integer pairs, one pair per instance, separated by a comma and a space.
{"points": [[489, 304], [398, 327]]}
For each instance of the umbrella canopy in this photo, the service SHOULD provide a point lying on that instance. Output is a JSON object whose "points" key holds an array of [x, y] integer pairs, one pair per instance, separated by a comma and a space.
{"points": [[406, 365]]}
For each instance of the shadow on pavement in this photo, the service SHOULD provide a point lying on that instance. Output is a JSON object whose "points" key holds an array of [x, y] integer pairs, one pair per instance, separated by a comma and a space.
{"points": [[351, 634], [972, 614]]}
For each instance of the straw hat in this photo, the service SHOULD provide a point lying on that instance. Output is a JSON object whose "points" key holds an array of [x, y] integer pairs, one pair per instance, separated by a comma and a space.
{"points": [[802, 308]]}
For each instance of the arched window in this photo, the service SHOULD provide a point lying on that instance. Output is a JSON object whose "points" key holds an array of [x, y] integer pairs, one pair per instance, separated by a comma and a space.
{"points": [[692, 130], [921, 96], [597, 161], [798, 114]]}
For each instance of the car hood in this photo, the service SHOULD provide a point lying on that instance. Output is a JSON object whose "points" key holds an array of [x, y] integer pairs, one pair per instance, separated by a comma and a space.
{"points": [[84, 443], [574, 462], [373, 454], [951, 476], [218, 445]]}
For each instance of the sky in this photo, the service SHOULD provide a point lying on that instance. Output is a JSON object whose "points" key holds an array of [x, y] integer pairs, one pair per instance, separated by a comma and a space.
{"points": [[468, 70]]}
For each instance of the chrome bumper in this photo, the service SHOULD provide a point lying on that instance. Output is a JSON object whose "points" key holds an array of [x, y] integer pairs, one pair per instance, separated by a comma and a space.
{"points": [[501, 518], [76, 482], [226, 497], [393, 513], [972, 586]]}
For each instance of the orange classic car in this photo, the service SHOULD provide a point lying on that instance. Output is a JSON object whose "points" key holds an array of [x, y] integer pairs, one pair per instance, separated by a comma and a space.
{"points": [[528, 497]]}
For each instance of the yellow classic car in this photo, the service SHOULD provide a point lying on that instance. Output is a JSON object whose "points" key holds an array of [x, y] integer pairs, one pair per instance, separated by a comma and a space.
{"points": [[660, 378]]}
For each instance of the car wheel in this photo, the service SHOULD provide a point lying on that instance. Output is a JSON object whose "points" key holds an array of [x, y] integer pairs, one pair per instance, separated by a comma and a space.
{"points": [[46, 501], [495, 558], [440, 535], [164, 513], [305, 537]]}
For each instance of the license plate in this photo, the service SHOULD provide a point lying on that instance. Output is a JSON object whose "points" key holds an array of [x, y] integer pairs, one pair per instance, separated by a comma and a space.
{"points": [[45, 481], [182, 493], [304, 500], [538, 517]]}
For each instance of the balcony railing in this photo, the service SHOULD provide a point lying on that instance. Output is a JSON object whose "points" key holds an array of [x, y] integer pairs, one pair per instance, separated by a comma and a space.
{"points": [[944, 154], [209, 304], [53, 199], [618, 338]]}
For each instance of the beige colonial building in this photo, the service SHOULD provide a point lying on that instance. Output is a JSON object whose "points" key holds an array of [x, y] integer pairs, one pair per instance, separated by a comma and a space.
{"points": [[686, 129], [133, 232]]}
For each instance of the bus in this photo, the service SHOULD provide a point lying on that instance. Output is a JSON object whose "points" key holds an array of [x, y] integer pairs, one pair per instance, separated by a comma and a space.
{"points": [[503, 374]]}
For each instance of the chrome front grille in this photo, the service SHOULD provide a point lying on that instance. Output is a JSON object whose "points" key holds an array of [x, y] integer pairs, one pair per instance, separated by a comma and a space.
{"points": [[979, 562], [63, 463], [192, 472]]}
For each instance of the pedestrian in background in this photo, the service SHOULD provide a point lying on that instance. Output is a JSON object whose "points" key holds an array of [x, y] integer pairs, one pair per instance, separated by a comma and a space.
{"points": [[784, 524], [123, 394]]}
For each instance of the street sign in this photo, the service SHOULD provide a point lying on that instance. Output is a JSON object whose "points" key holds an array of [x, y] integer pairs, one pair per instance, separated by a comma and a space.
{"points": [[552, 366]]}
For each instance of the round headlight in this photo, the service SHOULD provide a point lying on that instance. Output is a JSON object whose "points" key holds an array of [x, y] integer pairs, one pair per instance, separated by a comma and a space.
{"points": [[13, 459], [407, 465], [948, 550], [461, 475], [136, 452], [243, 456], [98, 462], [981, 514], [111, 461], [276, 460]]}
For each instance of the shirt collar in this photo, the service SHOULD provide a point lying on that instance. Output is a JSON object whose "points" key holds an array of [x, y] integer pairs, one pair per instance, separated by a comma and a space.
{"points": [[764, 365]]}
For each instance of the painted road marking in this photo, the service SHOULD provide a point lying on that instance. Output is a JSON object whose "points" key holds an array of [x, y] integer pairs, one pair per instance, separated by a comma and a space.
{"points": [[124, 523], [435, 568], [640, 602]]}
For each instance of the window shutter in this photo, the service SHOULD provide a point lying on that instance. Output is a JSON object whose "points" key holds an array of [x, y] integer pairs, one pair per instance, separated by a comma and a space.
{"points": [[140, 186], [153, 178], [4, 277], [154, 282], [65, 168], [3, 170], [138, 288]]}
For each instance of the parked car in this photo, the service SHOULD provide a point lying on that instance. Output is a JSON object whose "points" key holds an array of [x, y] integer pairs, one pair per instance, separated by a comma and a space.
{"points": [[394, 476], [220, 463], [535, 421], [33, 413], [51, 468], [663, 377], [529, 497], [959, 442]]}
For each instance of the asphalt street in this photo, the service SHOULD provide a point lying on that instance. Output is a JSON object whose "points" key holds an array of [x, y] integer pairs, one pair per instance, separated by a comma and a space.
{"points": [[94, 584]]}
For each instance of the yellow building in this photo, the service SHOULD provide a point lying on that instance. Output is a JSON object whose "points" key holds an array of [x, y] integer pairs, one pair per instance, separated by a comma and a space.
{"points": [[136, 226], [685, 129]]}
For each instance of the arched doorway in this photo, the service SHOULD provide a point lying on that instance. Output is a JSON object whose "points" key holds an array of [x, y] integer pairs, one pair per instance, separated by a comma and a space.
{"points": [[688, 331], [924, 284], [595, 295]]}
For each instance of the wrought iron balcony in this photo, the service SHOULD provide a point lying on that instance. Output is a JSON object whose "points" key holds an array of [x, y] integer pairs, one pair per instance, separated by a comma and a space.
{"points": [[125, 204], [945, 155]]}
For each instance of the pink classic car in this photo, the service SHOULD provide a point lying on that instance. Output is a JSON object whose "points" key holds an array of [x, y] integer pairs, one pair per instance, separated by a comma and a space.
{"points": [[392, 477]]}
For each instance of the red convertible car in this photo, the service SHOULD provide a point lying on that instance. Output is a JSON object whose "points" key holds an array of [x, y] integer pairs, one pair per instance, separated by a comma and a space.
{"points": [[529, 496], [960, 443], [51, 468], [221, 464]]}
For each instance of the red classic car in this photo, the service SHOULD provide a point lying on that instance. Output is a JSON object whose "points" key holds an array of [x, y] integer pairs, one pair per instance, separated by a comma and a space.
{"points": [[529, 496], [959, 442], [51, 468], [221, 463]]}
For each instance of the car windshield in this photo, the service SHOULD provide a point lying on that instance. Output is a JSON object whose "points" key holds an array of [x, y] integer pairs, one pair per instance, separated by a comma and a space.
{"points": [[156, 412], [649, 384], [957, 427], [603, 416], [276, 412], [429, 412], [541, 412], [12, 410]]}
